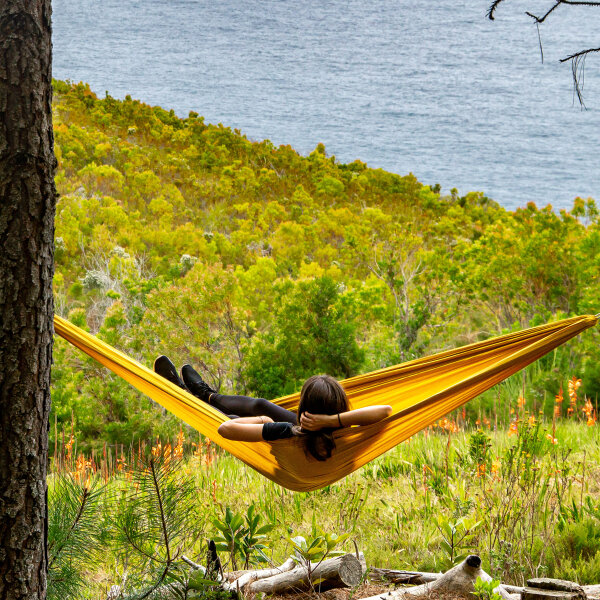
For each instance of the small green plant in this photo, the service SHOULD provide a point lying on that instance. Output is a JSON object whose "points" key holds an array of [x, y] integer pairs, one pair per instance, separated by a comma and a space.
{"points": [[206, 584], [242, 536], [479, 448], [316, 549], [502, 559], [456, 536], [484, 590]]}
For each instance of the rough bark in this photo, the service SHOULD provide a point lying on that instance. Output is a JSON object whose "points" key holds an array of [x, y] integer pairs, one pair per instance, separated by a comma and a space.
{"points": [[27, 206]]}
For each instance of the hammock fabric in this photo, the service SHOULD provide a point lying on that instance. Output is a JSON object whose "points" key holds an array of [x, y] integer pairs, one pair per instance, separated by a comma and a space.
{"points": [[420, 392]]}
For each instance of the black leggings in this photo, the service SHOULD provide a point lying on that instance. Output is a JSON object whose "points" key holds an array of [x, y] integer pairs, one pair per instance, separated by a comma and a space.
{"points": [[244, 406]]}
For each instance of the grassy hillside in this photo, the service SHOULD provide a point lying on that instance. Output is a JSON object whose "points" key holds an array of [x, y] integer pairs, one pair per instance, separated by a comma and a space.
{"points": [[262, 267]]}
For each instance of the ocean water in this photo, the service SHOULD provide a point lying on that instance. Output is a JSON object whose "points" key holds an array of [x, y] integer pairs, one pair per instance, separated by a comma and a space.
{"points": [[432, 88]]}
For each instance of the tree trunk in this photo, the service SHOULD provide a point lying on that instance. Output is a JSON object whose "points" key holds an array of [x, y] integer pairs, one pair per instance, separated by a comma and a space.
{"points": [[27, 206]]}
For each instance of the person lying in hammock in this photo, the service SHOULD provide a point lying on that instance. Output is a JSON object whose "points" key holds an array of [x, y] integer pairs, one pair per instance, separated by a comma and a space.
{"points": [[323, 408]]}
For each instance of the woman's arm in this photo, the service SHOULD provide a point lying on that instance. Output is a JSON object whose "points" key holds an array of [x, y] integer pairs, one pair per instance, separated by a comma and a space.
{"points": [[244, 429], [358, 416]]}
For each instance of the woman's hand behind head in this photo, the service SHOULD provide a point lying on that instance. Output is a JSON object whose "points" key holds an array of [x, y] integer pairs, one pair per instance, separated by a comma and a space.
{"points": [[312, 422]]}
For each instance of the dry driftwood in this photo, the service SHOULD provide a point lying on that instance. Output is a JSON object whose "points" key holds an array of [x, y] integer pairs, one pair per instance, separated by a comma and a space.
{"points": [[419, 577], [248, 577], [343, 571], [400, 576], [459, 580], [552, 589], [592, 591]]}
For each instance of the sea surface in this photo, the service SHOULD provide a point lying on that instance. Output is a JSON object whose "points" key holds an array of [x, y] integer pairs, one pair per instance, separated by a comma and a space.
{"points": [[433, 88]]}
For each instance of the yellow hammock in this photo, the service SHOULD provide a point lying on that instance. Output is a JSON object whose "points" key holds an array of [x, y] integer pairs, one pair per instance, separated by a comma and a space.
{"points": [[420, 392]]}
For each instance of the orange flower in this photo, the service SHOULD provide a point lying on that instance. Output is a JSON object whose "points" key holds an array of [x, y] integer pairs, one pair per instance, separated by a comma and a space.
{"points": [[83, 468], [448, 425], [553, 440], [168, 453], [514, 428], [531, 421], [481, 470], [574, 385], [521, 401], [69, 447], [589, 412], [495, 469], [178, 450], [121, 464], [588, 409], [157, 449]]}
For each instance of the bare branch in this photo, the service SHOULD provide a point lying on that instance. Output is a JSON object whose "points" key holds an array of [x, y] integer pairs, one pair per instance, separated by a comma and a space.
{"points": [[558, 3], [492, 9], [579, 54], [580, 2], [542, 19]]}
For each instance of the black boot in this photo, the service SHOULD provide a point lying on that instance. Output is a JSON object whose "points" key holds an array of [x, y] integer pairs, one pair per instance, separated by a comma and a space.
{"points": [[196, 384], [165, 368]]}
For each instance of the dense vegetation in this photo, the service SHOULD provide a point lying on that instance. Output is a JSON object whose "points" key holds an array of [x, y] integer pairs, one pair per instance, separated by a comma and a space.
{"points": [[262, 267], [527, 501]]}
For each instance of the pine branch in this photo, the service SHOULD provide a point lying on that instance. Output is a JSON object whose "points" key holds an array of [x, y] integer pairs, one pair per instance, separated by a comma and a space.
{"points": [[84, 500], [162, 512], [135, 546], [158, 583], [492, 9]]}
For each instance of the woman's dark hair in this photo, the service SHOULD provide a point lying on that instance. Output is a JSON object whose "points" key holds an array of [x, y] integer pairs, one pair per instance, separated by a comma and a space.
{"points": [[321, 394]]}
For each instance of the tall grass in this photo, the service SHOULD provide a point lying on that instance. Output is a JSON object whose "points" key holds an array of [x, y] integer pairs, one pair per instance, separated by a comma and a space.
{"points": [[532, 480]]}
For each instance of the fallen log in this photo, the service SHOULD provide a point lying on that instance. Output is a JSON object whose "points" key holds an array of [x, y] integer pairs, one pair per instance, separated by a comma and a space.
{"points": [[545, 588], [419, 578], [252, 576], [400, 576], [592, 591], [459, 580], [343, 571]]}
